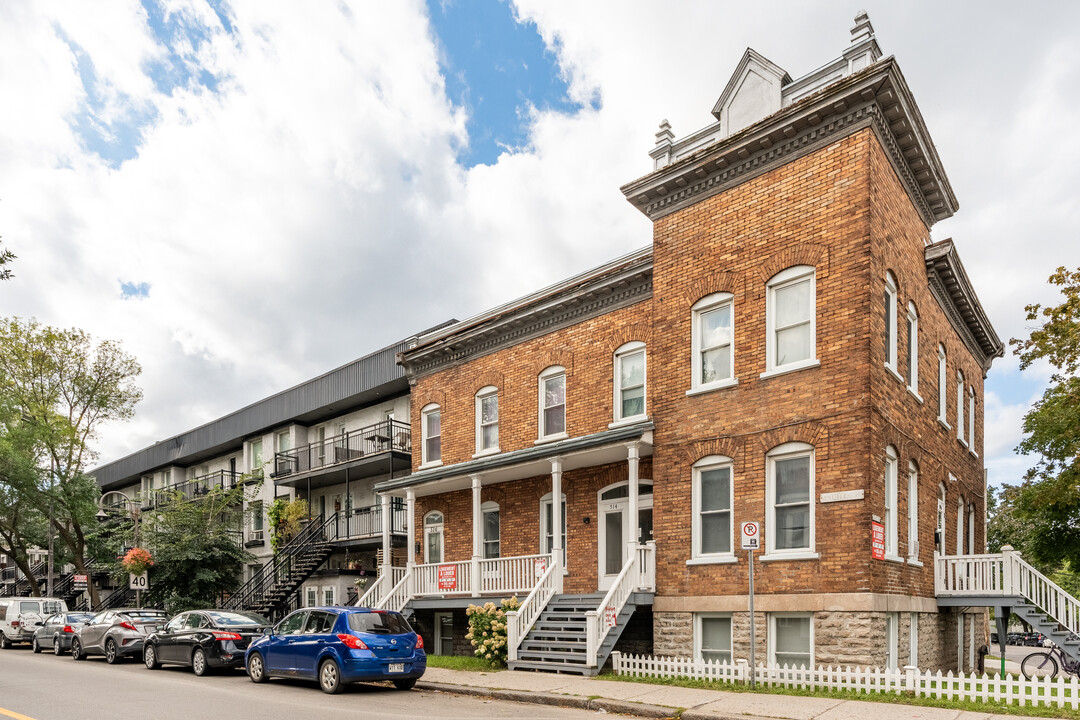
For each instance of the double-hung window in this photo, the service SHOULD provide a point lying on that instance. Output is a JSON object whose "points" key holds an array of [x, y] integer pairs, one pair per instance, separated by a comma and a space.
{"points": [[789, 487], [487, 420], [913, 349], [630, 381], [489, 513], [960, 401], [890, 322], [431, 428], [712, 493], [791, 322], [943, 393], [971, 419], [712, 637], [913, 513], [552, 402], [713, 341], [546, 537], [891, 494], [791, 639]]}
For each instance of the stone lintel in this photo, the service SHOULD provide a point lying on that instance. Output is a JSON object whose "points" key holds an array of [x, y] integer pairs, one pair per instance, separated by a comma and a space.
{"points": [[818, 602]]}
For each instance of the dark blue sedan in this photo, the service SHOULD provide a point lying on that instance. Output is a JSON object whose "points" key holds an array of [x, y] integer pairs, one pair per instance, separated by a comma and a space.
{"points": [[339, 645]]}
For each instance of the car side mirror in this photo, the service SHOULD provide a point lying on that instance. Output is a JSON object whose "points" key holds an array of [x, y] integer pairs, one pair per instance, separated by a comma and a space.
{"points": [[268, 632], [38, 624]]}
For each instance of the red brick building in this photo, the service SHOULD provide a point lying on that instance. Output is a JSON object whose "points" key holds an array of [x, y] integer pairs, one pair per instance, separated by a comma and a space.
{"points": [[791, 351]]}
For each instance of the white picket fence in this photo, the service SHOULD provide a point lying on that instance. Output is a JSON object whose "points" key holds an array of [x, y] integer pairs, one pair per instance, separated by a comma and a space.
{"points": [[1060, 691]]}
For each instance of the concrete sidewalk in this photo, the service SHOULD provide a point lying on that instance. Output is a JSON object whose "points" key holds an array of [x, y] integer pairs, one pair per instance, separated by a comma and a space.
{"points": [[661, 701]]}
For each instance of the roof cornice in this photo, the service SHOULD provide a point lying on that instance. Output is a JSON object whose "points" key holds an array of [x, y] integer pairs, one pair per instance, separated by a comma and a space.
{"points": [[622, 282], [876, 97], [949, 284]]}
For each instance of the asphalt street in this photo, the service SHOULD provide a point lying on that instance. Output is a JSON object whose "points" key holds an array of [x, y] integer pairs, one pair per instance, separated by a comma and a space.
{"points": [[43, 687]]}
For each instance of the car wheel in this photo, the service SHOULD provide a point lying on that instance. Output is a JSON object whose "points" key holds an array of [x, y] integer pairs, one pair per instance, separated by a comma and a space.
{"points": [[405, 684], [57, 648], [329, 677], [5, 644], [255, 668], [76, 650], [35, 646], [150, 658], [110, 652], [198, 662]]}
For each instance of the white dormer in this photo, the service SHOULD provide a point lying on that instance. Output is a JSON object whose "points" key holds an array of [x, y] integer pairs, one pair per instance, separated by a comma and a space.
{"points": [[752, 93]]}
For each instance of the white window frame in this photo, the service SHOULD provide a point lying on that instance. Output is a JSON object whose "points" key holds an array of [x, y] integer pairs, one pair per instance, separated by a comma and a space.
{"points": [[941, 516], [486, 393], [485, 509], [548, 374], [913, 350], [971, 529], [890, 323], [328, 595], [782, 452], [772, 633], [943, 385], [425, 459], [961, 509], [312, 597], [441, 525], [697, 556], [913, 513], [699, 636], [892, 640], [545, 531], [892, 494], [783, 279], [283, 441], [960, 402], [913, 629], [707, 304], [971, 420], [255, 457], [625, 351]]}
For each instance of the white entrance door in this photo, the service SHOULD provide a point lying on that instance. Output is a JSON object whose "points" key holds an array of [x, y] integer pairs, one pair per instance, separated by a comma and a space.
{"points": [[613, 528]]}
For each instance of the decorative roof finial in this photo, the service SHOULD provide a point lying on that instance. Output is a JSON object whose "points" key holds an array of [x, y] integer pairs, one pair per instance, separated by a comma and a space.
{"points": [[863, 30], [665, 136]]}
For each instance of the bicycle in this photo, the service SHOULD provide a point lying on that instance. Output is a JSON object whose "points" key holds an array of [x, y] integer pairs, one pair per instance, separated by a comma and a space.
{"points": [[1047, 662]]}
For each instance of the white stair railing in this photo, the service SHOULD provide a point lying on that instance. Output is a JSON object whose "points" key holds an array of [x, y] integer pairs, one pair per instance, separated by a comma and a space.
{"points": [[520, 621], [381, 587], [398, 597], [1043, 592], [638, 572]]}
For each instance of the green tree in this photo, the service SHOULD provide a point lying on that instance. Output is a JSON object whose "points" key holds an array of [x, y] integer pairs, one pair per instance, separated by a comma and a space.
{"points": [[59, 386], [1048, 502], [197, 547], [6, 258]]}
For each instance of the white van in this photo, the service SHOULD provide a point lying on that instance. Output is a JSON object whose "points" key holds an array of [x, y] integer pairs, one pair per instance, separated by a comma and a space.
{"points": [[21, 616]]}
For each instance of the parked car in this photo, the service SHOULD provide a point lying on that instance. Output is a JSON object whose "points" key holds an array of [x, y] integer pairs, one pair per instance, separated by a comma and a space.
{"points": [[56, 633], [116, 633], [1013, 638], [339, 645], [204, 640], [21, 616], [1035, 639]]}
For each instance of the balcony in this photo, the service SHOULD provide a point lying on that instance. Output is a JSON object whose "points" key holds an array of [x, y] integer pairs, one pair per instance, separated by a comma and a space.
{"points": [[382, 448]]}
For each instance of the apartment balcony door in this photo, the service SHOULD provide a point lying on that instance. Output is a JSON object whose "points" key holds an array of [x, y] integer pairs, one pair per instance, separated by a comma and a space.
{"points": [[613, 528]]}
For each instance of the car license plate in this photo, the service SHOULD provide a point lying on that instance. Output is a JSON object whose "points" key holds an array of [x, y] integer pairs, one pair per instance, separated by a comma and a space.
{"points": [[397, 667]]}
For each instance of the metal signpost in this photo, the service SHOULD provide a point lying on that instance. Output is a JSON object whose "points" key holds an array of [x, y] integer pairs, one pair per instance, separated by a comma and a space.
{"points": [[750, 542]]}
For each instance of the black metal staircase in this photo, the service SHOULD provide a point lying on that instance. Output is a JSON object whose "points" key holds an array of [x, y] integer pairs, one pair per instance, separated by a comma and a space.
{"points": [[120, 597], [269, 591], [557, 641]]}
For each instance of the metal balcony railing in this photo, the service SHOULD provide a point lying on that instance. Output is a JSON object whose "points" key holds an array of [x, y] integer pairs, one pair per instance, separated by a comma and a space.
{"points": [[384, 437]]}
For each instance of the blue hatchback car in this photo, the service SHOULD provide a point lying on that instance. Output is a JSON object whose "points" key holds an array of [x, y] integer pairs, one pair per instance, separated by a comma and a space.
{"points": [[339, 645]]}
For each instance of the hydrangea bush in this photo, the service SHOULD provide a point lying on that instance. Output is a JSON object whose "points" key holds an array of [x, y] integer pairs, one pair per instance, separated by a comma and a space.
{"points": [[487, 630]]}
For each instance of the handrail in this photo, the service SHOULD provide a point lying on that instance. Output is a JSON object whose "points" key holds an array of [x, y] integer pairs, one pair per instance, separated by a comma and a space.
{"points": [[520, 621], [399, 595], [615, 599], [381, 437], [374, 592], [1047, 595]]}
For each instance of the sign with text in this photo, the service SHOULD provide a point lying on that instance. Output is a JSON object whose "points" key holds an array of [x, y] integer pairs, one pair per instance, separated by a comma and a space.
{"points": [[877, 540], [541, 567], [609, 617], [140, 581], [750, 536], [79, 582], [448, 577]]}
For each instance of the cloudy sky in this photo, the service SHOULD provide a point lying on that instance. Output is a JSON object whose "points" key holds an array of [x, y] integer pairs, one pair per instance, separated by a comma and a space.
{"points": [[248, 193]]}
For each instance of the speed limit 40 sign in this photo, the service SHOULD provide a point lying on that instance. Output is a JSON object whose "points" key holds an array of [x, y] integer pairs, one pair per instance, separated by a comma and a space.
{"points": [[140, 581], [750, 536]]}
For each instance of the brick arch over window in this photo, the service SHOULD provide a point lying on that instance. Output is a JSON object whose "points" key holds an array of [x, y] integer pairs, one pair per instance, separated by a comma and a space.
{"points": [[714, 282], [728, 447], [429, 397], [811, 433], [805, 254], [492, 378], [546, 359], [636, 332]]}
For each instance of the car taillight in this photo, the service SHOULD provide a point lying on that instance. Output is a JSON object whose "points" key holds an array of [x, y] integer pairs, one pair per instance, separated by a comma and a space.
{"points": [[419, 642], [351, 641], [68, 629], [129, 626], [226, 635], [14, 623]]}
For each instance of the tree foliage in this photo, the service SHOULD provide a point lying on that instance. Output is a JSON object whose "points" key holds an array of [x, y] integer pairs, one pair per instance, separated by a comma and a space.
{"points": [[6, 258], [57, 387], [1047, 504]]}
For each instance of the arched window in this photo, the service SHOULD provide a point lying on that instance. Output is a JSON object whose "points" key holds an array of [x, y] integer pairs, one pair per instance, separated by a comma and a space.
{"points": [[960, 508], [971, 529], [629, 381], [913, 349], [791, 322], [433, 537], [913, 512], [890, 321], [960, 401], [487, 420], [939, 534], [713, 341], [552, 403], [942, 386], [789, 488], [431, 429]]}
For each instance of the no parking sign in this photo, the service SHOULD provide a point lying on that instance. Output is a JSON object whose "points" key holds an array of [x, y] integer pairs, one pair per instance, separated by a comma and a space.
{"points": [[749, 535]]}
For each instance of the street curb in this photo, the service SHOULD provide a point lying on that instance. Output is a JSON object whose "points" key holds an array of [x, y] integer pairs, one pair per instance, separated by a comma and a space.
{"points": [[539, 698]]}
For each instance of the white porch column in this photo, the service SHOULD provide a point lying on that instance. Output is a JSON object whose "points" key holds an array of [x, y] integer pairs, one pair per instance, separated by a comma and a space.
{"points": [[387, 550], [477, 535], [556, 517], [410, 542], [632, 491]]}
